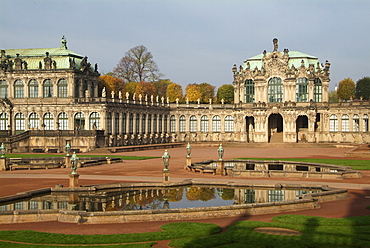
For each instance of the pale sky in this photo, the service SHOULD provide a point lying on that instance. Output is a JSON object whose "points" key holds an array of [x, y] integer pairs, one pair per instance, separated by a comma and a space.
{"points": [[195, 41]]}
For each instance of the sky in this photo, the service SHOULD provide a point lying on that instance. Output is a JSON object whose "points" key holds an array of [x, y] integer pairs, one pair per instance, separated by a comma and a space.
{"points": [[195, 41]]}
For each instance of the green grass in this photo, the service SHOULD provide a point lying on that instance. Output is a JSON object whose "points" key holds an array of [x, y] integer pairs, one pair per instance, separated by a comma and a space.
{"points": [[356, 164], [45, 155], [351, 232]]}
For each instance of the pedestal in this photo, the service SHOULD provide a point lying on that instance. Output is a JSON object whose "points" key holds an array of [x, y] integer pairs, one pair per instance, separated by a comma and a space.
{"points": [[188, 162], [67, 161], [3, 165], [73, 180], [220, 168], [166, 176]]}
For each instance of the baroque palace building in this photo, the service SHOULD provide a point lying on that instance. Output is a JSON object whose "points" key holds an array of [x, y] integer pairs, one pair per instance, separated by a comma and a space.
{"points": [[50, 96]]}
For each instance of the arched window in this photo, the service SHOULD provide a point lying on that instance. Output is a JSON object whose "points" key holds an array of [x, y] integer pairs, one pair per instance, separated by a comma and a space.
{"points": [[193, 124], [345, 123], [172, 124], [124, 121], [19, 123], [94, 121], [333, 123], [229, 124], [155, 124], [317, 90], [204, 126], [302, 90], [63, 121], [160, 117], [3, 89], [33, 89], [131, 124], [366, 123], [18, 89], [49, 121], [109, 123], [275, 90], [137, 123], [182, 124], [79, 121], [48, 88], [3, 121], [62, 88], [249, 91], [356, 123], [149, 123], [143, 120], [216, 124], [116, 123], [165, 123], [34, 121]]}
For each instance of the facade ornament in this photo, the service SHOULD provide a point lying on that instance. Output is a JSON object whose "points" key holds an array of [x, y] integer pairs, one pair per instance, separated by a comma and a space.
{"points": [[198, 101], [120, 94], [127, 95], [222, 101], [47, 62], [18, 62], [104, 93], [72, 63], [25, 65], [210, 101], [168, 100], [146, 97], [151, 98], [63, 43], [140, 97], [157, 98], [134, 96], [162, 99], [112, 93], [276, 46], [54, 65]]}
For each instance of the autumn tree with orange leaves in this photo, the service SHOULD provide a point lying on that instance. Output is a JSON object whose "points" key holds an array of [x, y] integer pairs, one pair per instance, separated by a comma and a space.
{"points": [[193, 92], [111, 84], [145, 88]]}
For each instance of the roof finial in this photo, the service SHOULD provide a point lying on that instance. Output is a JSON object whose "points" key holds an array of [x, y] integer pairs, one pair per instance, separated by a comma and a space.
{"points": [[63, 43], [275, 41]]}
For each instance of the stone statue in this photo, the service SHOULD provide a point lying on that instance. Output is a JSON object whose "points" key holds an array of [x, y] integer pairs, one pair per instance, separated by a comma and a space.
{"points": [[134, 96], [177, 101], [187, 100], [127, 95], [151, 98], [18, 62], [47, 61], [276, 46], [198, 101], [103, 93], [54, 65], [25, 65], [120, 94], [112, 93], [146, 98], [162, 99], [157, 98], [140, 97], [222, 101], [210, 101]]}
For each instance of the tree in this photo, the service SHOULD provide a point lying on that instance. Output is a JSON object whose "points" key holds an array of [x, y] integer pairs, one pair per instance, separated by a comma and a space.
{"points": [[193, 92], [174, 91], [226, 92], [131, 87], [333, 96], [346, 89], [363, 88], [161, 87], [111, 83], [145, 88], [208, 92], [137, 66]]}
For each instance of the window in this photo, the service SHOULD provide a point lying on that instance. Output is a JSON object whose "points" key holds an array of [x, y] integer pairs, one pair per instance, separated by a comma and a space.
{"points": [[366, 123], [249, 91], [356, 123], [109, 123], [94, 121], [317, 90], [3, 121], [301, 90], [19, 206], [3, 89], [34, 121], [47, 205], [33, 89], [333, 123], [193, 124], [116, 123], [275, 90], [49, 121], [131, 124], [204, 127], [160, 123], [172, 124], [229, 124], [79, 121], [143, 120], [48, 88], [33, 205], [62, 88], [63, 121], [155, 124], [19, 122], [124, 121], [276, 195], [165, 123], [345, 123], [137, 123], [19, 89], [149, 123], [182, 124], [249, 196], [216, 124]]}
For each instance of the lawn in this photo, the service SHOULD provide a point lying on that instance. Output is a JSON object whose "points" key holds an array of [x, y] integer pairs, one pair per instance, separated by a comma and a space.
{"points": [[356, 164], [315, 232]]}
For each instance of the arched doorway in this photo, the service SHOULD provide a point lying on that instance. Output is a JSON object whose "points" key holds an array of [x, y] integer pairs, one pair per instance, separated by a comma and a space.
{"points": [[302, 128], [249, 128], [275, 128]]}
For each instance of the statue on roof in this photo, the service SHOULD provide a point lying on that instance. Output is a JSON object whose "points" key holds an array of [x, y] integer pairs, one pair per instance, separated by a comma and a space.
{"points": [[276, 46], [47, 62], [63, 43]]}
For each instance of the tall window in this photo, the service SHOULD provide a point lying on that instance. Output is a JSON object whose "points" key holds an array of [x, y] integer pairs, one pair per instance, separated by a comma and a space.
{"points": [[63, 121], [216, 124], [155, 124], [333, 123], [137, 130], [116, 123], [302, 90], [317, 90], [3, 89], [49, 121], [229, 124], [366, 123], [193, 124], [124, 121], [109, 123], [182, 124], [94, 121], [172, 124], [249, 91], [149, 123], [48, 88], [131, 124], [19, 122], [204, 126], [165, 123], [275, 90], [160, 117], [143, 120], [79, 121], [62, 88], [18, 89], [345, 123], [34, 121], [356, 123], [3, 121], [33, 89]]}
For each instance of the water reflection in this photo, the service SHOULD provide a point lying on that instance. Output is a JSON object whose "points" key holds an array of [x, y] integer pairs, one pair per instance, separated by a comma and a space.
{"points": [[155, 198]]}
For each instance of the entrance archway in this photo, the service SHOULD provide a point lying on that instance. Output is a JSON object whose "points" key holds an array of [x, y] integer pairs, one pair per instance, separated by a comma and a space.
{"points": [[302, 128], [249, 128], [275, 128]]}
